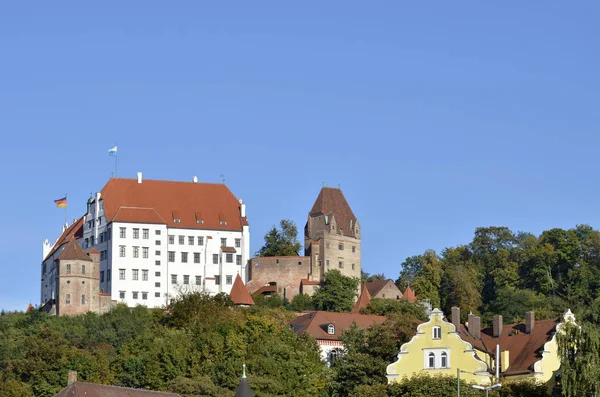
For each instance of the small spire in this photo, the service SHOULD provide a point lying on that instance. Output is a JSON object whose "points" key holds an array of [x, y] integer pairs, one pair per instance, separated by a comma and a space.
{"points": [[244, 371]]}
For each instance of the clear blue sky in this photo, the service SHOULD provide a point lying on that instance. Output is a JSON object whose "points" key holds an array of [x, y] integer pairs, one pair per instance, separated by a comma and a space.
{"points": [[435, 117]]}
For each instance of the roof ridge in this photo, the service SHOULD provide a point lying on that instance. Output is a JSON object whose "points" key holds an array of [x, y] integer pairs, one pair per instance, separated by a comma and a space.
{"points": [[124, 387]]}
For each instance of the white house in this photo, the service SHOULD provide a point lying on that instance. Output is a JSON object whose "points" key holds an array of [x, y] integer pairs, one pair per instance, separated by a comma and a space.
{"points": [[159, 238]]}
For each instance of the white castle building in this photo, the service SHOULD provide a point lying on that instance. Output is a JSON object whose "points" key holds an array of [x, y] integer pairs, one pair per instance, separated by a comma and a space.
{"points": [[157, 239]]}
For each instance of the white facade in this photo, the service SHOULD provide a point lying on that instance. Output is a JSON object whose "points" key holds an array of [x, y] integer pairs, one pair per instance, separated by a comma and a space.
{"points": [[146, 263]]}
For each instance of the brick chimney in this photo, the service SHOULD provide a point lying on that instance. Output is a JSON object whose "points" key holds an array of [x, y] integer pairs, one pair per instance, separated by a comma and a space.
{"points": [[456, 318], [71, 377], [474, 325], [529, 322], [497, 326]]}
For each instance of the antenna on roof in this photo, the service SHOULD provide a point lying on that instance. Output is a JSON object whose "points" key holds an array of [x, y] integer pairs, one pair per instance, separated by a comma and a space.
{"points": [[223, 178], [322, 183], [339, 186]]}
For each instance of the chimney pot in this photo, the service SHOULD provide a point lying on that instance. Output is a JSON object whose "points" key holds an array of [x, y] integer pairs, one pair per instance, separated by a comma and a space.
{"points": [[71, 377], [529, 322], [139, 174], [456, 318], [195, 179], [476, 327], [497, 326]]}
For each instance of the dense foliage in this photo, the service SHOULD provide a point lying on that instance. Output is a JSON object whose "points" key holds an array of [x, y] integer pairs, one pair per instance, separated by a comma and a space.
{"points": [[282, 241], [337, 292]]}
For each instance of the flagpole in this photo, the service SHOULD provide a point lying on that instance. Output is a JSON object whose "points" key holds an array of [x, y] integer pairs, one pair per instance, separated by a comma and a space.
{"points": [[66, 206], [117, 161]]}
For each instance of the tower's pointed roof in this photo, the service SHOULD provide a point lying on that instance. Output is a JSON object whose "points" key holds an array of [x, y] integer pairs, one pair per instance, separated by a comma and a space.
{"points": [[409, 295], [363, 299], [239, 294], [331, 202], [244, 388], [73, 250]]}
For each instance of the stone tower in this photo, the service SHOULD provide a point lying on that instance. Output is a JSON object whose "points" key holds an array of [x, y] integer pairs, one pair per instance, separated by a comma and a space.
{"points": [[332, 235]]}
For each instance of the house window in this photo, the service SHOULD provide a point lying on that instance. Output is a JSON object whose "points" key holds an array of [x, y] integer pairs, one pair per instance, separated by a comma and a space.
{"points": [[198, 280], [135, 294], [144, 295], [431, 360], [82, 269], [353, 266], [238, 260], [327, 262], [334, 355], [136, 252], [157, 232], [200, 240], [196, 257], [341, 265], [101, 237], [171, 256], [444, 360], [223, 242], [157, 253], [181, 240], [229, 258], [122, 232], [171, 239], [191, 240], [341, 246], [86, 244], [121, 294], [157, 242], [353, 248], [122, 251], [331, 329], [437, 332], [157, 285], [157, 294], [186, 279], [68, 299], [327, 245], [157, 263], [121, 274], [217, 279], [68, 268], [92, 241], [108, 275], [184, 256], [156, 274], [145, 252], [135, 274], [102, 276], [173, 279], [228, 279], [136, 233], [144, 275], [238, 243], [83, 299], [215, 259], [145, 234]]}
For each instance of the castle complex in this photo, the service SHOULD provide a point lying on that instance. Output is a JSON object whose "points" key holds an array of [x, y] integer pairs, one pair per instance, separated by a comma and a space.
{"points": [[331, 241]]}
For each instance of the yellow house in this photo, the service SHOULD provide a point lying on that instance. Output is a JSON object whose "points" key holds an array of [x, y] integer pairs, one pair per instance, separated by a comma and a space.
{"points": [[438, 349], [526, 350]]}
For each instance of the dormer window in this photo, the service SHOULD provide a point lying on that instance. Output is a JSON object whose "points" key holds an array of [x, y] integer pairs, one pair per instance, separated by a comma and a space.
{"points": [[176, 220], [199, 220], [437, 332], [331, 329], [223, 223], [176, 217]]}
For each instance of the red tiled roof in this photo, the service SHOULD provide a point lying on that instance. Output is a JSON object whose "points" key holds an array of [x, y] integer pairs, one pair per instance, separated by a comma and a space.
{"points": [[315, 323], [363, 299], [523, 349], [93, 251], [331, 202], [73, 250], [409, 295], [75, 230], [229, 250], [135, 214], [265, 289], [305, 281], [219, 207], [80, 389], [29, 308], [239, 294]]}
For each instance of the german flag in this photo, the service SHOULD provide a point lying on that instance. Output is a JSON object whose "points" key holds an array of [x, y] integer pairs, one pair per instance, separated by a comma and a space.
{"points": [[61, 203]]}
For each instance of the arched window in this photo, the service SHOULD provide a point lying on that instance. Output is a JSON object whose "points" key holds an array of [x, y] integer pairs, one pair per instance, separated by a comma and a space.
{"points": [[431, 360], [331, 329], [437, 332], [334, 354], [444, 360]]}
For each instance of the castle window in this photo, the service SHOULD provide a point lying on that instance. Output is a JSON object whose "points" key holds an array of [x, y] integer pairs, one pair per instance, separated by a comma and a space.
{"points": [[121, 294], [341, 265], [145, 234], [341, 246], [171, 256], [186, 279], [444, 360], [144, 295], [223, 242], [102, 276], [68, 268], [184, 257], [353, 266], [144, 275], [44, 268], [201, 240], [68, 299], [157, 285], [92, 241], [437, 332], [326, 219], [82, 269], [108, 275], [122, 232], [121, 274], [157, 232], [238, 243], [122, 251], [135, 274], [215, 259], [145, 252], [196, 257], [198, 280], [431, 358], [136, 252], [238, 260], [157, 263], [229, 258], [83, 299], [136, 233], [157, 242], [353, 248], [190, 240], [173, 279], [228, 279], [171, 239], [327, 262], [135, 294], [181, 240], [331, 329], [217, 279], [157, 294], [101, 237], [157, 253]]}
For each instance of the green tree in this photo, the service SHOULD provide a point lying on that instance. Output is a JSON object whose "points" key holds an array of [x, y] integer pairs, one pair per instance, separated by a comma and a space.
{"points": [[579, 350], [282, 241], [302, 302], [461, 282], [388, 307], [337, 293]]}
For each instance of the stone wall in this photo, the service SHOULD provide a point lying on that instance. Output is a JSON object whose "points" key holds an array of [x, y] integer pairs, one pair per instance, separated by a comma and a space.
{"points": [[286, 271]]}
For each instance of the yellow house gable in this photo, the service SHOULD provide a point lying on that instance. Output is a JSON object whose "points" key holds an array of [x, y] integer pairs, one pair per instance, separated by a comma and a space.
{"points": [[438, 349]]}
